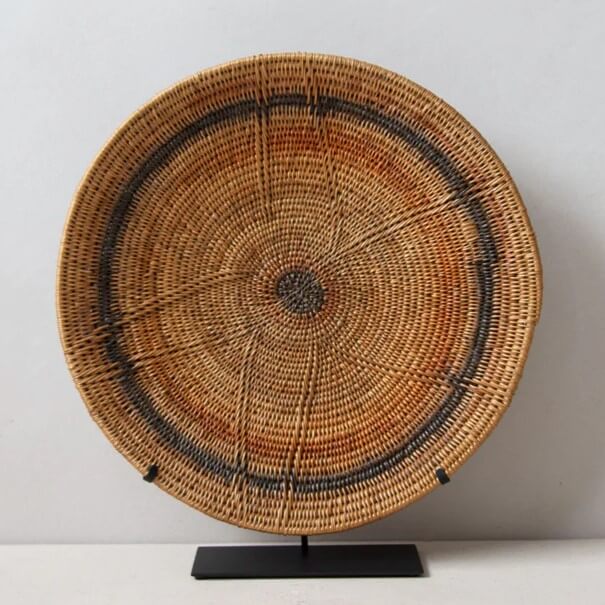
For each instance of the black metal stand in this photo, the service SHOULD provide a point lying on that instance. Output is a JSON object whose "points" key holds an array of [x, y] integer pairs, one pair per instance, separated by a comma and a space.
{"points": [[320, 561]]}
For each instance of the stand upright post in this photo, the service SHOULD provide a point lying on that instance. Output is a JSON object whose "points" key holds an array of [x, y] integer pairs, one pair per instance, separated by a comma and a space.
{"points": [[304, 546]]}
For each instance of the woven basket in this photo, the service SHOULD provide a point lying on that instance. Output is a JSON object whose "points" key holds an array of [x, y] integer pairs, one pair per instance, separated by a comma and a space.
{"points": [[297, 291]]}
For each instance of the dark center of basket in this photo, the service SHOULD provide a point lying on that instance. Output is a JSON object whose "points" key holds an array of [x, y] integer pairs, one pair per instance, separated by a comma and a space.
{"points": [[300, 291]]}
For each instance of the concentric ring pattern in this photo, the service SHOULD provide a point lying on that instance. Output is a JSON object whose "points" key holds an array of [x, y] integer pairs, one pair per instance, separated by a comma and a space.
{"points": [[300, 286]]}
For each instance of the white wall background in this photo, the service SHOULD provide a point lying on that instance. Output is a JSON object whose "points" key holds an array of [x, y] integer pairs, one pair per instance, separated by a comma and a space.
{"points": [[529, 75]]}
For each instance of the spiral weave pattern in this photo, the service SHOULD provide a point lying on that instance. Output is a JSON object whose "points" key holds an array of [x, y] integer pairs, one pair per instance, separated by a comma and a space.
{"points": [[301, 288]]}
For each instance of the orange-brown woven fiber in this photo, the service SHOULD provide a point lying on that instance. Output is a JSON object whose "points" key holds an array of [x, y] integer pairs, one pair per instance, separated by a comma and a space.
{"points": [[297, 291]]}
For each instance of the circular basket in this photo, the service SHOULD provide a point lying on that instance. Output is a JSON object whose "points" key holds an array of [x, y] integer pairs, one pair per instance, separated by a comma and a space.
{"points": [[297, 291]]}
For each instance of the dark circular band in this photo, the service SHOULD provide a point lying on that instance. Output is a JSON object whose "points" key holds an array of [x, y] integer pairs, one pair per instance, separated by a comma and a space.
{"points": [[463, 196]]}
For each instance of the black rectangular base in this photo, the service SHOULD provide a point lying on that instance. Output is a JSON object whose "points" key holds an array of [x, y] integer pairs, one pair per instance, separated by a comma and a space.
{"points": [[318, 561]]}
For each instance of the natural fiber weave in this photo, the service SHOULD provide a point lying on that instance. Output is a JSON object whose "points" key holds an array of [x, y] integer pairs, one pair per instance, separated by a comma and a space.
{"points": [[300, 289]]}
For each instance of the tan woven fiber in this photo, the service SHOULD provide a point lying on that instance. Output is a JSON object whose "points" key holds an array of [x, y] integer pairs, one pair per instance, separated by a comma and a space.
{"points": [[297, 291]]}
